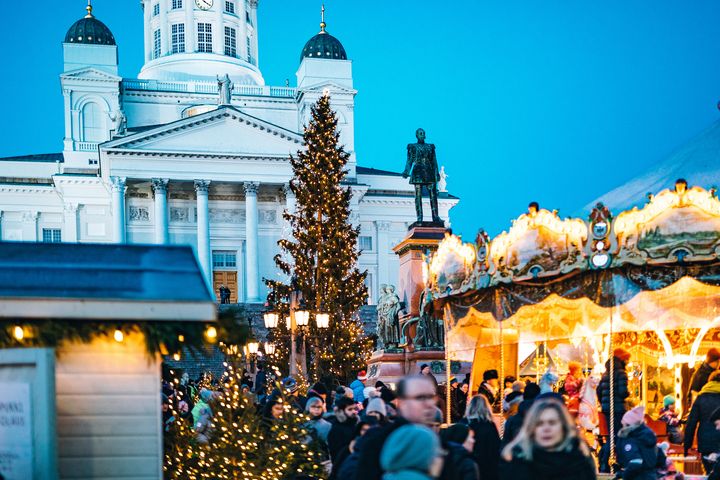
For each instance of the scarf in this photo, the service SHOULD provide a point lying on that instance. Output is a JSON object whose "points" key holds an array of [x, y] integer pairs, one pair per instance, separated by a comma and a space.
{"points": [[711, 387]]}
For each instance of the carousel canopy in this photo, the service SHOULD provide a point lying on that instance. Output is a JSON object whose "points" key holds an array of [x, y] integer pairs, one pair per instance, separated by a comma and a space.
{"points": [[653, 269]]}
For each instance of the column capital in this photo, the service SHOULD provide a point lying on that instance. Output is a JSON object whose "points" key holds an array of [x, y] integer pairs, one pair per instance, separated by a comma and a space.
{"points": [[118, 183], [202, 186], [30, 215], [70, 207], [383, 225], [251, 188], [159, 185]]}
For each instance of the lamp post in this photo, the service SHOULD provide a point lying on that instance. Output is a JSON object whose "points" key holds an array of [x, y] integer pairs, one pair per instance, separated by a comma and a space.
{"points": [[297, 321]]}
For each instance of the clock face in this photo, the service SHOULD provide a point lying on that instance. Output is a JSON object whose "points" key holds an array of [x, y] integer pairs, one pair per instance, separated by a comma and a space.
{"points": [[204, 4]]}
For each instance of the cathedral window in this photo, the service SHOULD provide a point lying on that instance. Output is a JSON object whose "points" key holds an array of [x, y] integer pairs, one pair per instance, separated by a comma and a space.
{"points": [[204, 37], [51, 235], [156, 43], [247, 18], [224, 259], [230, 7], [250, 58], [92, 123], [156, 10], [230, 42], [178, 38], [365, 243], [177, 4]]}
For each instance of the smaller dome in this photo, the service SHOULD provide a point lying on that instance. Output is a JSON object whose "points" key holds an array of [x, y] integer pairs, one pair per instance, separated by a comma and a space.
{"points": [[89, 30], [324, 45]]}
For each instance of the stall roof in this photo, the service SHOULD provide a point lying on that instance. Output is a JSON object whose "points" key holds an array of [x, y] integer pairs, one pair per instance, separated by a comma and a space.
{"points": [[102, 281]]}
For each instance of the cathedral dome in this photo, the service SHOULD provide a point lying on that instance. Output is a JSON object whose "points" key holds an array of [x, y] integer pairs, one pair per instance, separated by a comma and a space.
{"points": [[89, 30], [323, 45]]}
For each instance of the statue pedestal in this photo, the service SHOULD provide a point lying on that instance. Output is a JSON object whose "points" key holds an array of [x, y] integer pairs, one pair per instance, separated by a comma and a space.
{"points": [[419, 240], [389, 367]]}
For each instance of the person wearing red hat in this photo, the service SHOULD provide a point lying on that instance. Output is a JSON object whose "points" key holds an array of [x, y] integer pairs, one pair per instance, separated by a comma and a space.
{"points": [[358, 387]]}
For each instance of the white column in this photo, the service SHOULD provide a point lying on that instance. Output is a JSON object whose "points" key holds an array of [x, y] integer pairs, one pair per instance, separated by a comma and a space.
{"points": [[118, 208], [383, 250], [159, 186], [70, 223], [190, 28], [203, 229], [251, 241], [30, 219], [164, 29], [218, 29]]}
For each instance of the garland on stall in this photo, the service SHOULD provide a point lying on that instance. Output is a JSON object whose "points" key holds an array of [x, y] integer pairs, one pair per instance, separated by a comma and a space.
{"points": [[161, 337]]}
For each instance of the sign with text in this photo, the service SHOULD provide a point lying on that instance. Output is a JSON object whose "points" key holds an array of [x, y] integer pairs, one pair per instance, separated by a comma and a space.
{"points": [[16, 448]]}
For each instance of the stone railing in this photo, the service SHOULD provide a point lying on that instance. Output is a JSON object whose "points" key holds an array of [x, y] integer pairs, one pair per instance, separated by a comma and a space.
{"points": [[86, 146], [207, 87]]}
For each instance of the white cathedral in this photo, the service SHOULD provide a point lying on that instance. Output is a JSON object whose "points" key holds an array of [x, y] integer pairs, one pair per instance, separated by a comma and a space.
{"points": [[166, 158]]}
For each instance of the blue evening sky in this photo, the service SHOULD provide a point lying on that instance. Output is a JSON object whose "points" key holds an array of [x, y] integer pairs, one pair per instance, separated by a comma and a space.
{"points": [[553, 101]]}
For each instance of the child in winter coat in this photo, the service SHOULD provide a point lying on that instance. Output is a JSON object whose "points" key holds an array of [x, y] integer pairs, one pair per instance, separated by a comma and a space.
{"points": [[637, 450], [670, 417]]}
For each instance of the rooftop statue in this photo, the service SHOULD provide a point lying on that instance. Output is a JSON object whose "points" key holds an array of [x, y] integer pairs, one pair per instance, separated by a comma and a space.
{"points": [[422, 169], [225, 86]]}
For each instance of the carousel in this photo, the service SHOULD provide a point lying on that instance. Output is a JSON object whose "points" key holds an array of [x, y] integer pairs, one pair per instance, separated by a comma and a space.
{"points": [[551, 291]]}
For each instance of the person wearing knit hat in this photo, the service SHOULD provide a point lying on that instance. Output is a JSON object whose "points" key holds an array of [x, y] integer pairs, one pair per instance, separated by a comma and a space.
{"points": [[670, 417], [620, 392], [411, 452], [318, 390], [637, 452], [358, 386], [458, 440], [376, 408]]}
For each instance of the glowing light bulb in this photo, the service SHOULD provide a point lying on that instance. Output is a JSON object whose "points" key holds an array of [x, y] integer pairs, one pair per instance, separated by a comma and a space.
{"points": [[211, 333], [18, 332], [118, 335]]}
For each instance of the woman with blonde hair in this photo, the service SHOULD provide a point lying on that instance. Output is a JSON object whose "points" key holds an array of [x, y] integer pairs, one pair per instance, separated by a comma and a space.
{"points": [[547, 447], [486, 451]]}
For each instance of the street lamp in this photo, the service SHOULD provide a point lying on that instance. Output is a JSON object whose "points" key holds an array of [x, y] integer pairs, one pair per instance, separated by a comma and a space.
{"points": [[271, 319], [302, 314], [322, 319], [269, 348], [253, 347]]}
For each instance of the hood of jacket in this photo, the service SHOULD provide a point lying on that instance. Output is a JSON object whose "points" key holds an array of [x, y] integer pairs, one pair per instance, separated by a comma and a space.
{"points": [[619, 365], [639, 433]]}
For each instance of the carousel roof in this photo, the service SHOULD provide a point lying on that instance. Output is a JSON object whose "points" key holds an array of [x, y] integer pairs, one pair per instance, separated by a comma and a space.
{"points": [[698, 161]]}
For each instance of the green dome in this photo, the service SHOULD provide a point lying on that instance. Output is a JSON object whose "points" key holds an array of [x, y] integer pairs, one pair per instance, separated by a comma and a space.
{"points": [[324, 45], [89, 30]]}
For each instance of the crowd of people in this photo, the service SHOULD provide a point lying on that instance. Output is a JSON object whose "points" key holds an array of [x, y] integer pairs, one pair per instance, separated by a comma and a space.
{"points": [[517, 430]]}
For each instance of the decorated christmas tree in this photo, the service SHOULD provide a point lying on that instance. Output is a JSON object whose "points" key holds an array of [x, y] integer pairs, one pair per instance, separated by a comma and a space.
{"points": [[238, 443], [321, 256]]}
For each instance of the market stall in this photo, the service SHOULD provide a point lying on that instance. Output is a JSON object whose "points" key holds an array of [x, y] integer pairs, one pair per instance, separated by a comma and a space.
{"points": [[647, 280]]}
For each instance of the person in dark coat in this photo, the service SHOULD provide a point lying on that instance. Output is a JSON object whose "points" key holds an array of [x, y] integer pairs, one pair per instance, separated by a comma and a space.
{"points": [[486, 450], [514, 423], [700, 420], [458, 440], [491, 389], [416, 405], [343, 429], [637, 450], [702, 373], [715, 472], [547, 447], [346, 462], [621, 357]]}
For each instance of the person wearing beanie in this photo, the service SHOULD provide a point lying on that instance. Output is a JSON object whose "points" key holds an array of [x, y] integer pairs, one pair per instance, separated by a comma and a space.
{"points": [[701, 420], [701, 375], [318, 390], [637, 451], [513, 399], [670, 417], [369, 393], [317, 425], [491, 389], [358, 386], [376, 408], [620, 359], [412, 452], [507, 385], [458, 441], [425, 370]]}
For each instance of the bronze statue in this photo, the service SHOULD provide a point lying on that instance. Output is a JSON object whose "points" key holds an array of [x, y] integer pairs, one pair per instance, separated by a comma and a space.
{"points": [[422, 168], [388, 312]]}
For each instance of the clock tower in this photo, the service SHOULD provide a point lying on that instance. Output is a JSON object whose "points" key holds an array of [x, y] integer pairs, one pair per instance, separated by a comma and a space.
{"points": [[200, 39]]}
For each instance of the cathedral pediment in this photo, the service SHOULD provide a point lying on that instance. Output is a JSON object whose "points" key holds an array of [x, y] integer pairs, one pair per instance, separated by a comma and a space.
{"points": [[333, 87], [90, 74], [224, 131]]}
